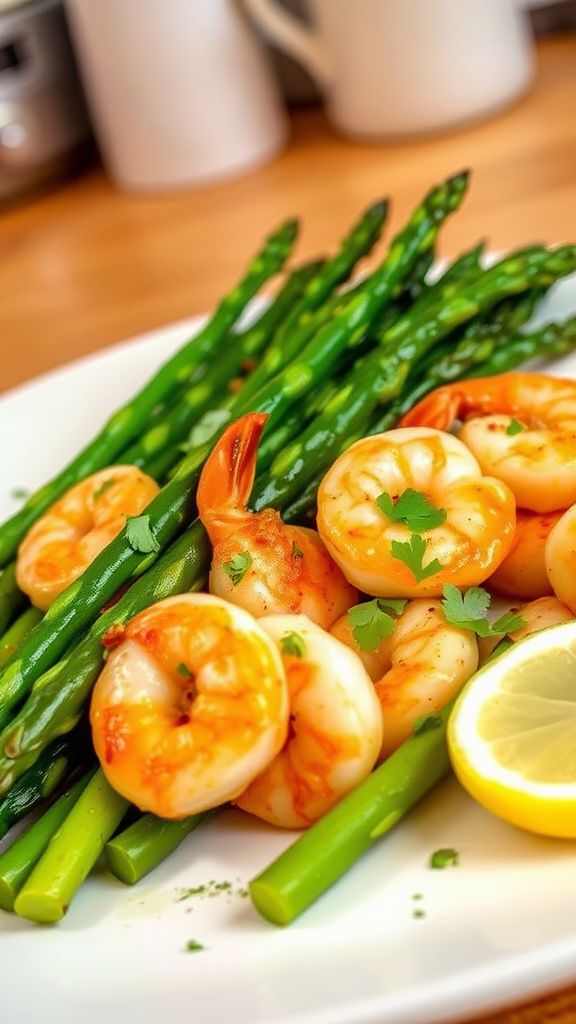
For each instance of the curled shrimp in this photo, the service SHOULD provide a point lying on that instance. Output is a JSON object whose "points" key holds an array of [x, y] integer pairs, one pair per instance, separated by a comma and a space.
{"points": [[190, 706], [468, 546], [418, 668], [63, 542], [523, 571], [259, 562], [560, 557], [335, 727], [520, 426], [540, 614]]}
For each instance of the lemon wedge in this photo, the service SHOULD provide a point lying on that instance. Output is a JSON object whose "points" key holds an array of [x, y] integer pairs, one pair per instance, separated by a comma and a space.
{"points": [[512, 733]]}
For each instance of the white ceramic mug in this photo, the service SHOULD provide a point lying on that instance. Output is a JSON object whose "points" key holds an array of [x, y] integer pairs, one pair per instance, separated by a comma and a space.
{"points": [[180, 90], [402, 67]]}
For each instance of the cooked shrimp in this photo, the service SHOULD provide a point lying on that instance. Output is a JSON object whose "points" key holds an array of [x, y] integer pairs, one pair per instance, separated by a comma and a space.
{"points": [[63, 542], [259, 562], [536, 456], [376, 661], [540, 614], [335, 727], [190, 706], [476, 534], [560, 556], [421, 666], [523, 571]]}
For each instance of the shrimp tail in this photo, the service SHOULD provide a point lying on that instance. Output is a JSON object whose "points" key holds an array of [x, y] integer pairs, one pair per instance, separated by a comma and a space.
{"points": [[458, 401], [228, 477]]}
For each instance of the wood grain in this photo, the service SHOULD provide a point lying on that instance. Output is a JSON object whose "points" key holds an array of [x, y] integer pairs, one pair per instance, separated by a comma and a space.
{"points": [[85, 266]]}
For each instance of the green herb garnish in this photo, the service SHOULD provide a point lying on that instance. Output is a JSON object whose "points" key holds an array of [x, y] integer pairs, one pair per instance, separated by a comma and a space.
{"points": [[514, 427], [193, 946], [413, 509], [372, 622], [418, 912], [19, 493], [139, 535], [183, 670], [469, 610], [293, 644], [296, 551], [237, 567], [412, 554], [445, 858]]}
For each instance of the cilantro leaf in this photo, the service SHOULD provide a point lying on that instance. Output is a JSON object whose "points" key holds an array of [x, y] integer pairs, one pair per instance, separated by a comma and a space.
{"points": [[412, 554], [413, 509], [514, 427], [445, 858], [371, 622], [193, 946], [104, 487], [468, 611], [424, 723], [184, 670], [237, 567], [293, 644], [296, 551], [140, 536]]}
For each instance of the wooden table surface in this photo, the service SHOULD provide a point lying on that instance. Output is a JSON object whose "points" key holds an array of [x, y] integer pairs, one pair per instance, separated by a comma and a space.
{"points": [[84, 266]]}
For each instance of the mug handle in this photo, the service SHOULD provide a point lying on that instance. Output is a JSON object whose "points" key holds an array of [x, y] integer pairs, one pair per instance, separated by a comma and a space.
{"points": [[290, 35]]}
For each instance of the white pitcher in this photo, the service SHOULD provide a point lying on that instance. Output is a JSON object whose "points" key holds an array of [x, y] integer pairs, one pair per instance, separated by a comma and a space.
{"points": [[180, 90], [402, 67]]}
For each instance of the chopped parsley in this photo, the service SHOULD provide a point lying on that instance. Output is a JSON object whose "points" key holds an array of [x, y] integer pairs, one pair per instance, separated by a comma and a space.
{"points": [[193, 946], [424, 723], [514, 427], [183, 670], [413, 509], [20, 493], [469, 611], [445, 858], [104, 486], [412, 554], [296, 551], [140, 536], [418, 912], [293, 644], [237, 567], [372, 622]]}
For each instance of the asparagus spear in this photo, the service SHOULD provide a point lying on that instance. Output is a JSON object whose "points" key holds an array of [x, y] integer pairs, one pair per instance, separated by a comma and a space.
{"points": [[330, 847], [39, 781], [127, 422], [548, 342], [17, 862], [11, 597], [169, 429], [300, 326], [71, 853], [80, 603], [137, 850], [17, 633]]}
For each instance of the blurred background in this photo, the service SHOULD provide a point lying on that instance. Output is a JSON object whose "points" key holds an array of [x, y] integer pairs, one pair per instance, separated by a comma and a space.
{"points": [[146, 146]]}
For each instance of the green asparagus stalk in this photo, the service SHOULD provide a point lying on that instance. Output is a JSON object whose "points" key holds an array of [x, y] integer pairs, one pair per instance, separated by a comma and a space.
{"points": [[137, 850], [165, 434], [80, 603], [295, 332], [38, 782], [127, 423], [71, 853], [11, 597], [17, 633], [289, 885], [17, 862], [548, 342]]}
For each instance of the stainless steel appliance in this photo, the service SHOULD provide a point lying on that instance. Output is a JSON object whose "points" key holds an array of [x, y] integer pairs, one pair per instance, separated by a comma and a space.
{"points": [[43, 121]]}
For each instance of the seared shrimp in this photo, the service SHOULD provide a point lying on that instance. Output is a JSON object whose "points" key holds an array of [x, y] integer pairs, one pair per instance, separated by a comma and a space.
{"points": [[520, 426], [259, 562], [63, 542], [560, 556], [421, 666], [335, 727], [381, 554], [523, 571], [190, 706], [540, 614]]}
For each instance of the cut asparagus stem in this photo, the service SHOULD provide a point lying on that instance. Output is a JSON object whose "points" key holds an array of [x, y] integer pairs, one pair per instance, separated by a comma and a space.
{"points": [[17, 862], [71, 853], [17, 633], [11, 597], [39, 781], [288, 886], [137, 850]]}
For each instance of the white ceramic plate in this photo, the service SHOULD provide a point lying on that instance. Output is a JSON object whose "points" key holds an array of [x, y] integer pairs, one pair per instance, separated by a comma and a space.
{"points": [[498, 928]]}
